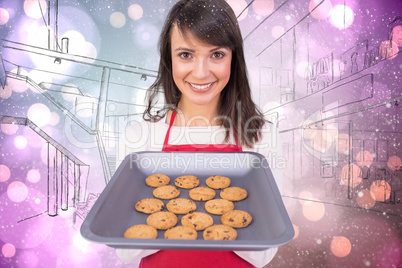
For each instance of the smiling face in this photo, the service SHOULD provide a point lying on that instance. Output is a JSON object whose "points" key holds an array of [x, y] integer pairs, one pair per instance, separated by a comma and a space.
{"points": [[200, 70]]}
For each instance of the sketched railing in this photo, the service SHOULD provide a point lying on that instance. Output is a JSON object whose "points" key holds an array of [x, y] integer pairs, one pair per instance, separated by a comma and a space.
{"points": [[63, 167]]}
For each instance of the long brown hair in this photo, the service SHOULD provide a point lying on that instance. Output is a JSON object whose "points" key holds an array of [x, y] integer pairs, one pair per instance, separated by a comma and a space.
{"points": [[212, 22]]}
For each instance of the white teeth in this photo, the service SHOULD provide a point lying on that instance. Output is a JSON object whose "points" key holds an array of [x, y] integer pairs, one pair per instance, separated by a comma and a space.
{"points": [[201, 87]]}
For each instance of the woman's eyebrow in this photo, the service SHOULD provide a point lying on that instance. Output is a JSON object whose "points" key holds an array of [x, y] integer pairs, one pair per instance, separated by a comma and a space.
{"points": [[192, 50]]}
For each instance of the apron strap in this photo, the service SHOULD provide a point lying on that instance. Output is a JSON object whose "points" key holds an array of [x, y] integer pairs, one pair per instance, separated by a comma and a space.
{"points": [[165, 143]]}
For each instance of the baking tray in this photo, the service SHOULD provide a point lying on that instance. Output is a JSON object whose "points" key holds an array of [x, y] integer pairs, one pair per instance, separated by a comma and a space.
{"points": [[114, 211]]}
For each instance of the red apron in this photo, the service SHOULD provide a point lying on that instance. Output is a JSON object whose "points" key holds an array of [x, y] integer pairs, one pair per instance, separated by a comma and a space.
{"points": [[192, 258]]}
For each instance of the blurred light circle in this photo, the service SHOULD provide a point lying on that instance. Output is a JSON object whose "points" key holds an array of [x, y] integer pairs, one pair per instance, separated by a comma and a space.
{"points": [[135, 12], [18, 85], [8, 250], [313, 211], [365, 199], [17, 191], [5, 92], [20, 142], [397, 35], [4, 16], [4, 173], [353, 173], [39, 114], [364, 158], [43, 80], [33, 176], [389, 50], [263, 7], [394, 163], [341, 246], [305, 195], [277, 31], [381, 190], [323, 11], [9, 129], [238, 6], [117, 19], [35, 8], [342, 17], [54, 119]]}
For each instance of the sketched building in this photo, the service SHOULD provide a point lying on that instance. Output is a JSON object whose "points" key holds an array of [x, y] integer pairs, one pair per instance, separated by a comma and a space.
{"points": [[348, 102]]}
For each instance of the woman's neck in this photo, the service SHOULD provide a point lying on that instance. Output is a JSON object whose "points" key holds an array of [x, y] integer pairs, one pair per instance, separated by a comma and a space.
{"points": [[196, 115]]}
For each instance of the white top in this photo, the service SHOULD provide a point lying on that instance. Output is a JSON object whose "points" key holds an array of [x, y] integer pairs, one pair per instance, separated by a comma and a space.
{"points": [[147, 136]]}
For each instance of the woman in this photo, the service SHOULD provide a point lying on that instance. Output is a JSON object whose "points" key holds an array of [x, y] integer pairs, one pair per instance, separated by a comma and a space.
{"points": [[207, 107]]}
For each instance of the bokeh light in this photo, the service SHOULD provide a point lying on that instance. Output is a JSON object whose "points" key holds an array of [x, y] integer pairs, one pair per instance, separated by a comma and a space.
{"points": [[277, 31], [18, 85], [5, 92], [352, 172], [8, 129], [39, 114], [394, 163], [17, 191], [35, 8], [54, 119], [323, 11], [4, 173], [397, 35], [364, 158], [313, 210], [8, 250], [42, 79], [389, 50], [365, 199], [117, 19], [263, 7], [33, 176], [238, 6], [381, 190], [27, 259], [305, 195], [341, 246], [135, 12], [4, 16], [342, 17], [20, 142]]}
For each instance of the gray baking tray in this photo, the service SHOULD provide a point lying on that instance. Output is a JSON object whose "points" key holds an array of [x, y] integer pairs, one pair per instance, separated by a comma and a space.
{"points": [[114, 211]]}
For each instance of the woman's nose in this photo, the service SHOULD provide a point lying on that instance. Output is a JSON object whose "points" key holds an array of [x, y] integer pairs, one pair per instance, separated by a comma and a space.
{"points": [[201, 68]]}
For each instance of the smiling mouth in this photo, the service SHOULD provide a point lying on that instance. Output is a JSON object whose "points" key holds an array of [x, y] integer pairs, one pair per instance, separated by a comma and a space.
{"points": [[201, 87]]}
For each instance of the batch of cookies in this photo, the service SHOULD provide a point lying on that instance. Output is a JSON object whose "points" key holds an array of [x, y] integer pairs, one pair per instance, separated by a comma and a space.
{"points": [[192, 220]]}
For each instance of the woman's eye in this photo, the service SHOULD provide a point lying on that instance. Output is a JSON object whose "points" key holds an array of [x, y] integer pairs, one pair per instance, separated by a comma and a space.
{"points": [[218, 55], [185, 55]]}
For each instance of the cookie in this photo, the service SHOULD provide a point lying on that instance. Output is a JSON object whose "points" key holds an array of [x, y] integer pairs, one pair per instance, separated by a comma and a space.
{"points": [[197, 220], [218, 182], [181, 206], [202, 193], [218, 206], [149, 205], [141, 231], [181, 232], [233, 193], [187, 182], [166, 192], [156, 180], [236, 218], [162, 220], [220, 232]]}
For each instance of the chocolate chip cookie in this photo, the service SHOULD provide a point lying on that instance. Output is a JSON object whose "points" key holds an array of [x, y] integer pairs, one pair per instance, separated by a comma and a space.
{"points": [[236, 218]]}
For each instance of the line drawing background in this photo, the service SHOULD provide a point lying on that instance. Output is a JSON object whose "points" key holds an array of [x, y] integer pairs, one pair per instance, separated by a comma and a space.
{"points": [[73, 76]]}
